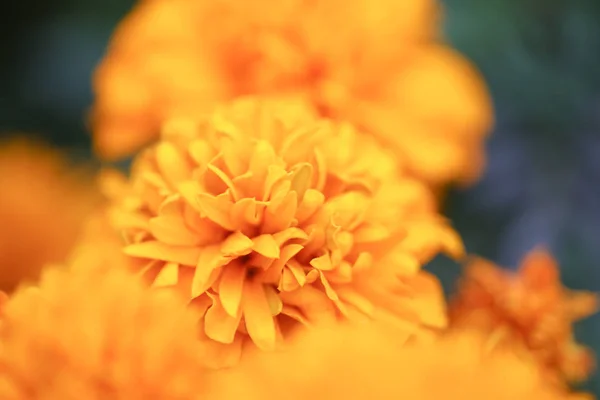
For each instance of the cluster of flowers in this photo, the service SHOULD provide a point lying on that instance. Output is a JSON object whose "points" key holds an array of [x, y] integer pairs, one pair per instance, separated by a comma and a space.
{"points": [[289, 162]]}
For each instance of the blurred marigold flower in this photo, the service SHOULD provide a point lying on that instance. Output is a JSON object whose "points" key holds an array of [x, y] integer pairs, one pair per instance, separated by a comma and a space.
{"points": [[373, 362], [269, 219], [530, 311], [87, 335], [42, 206], [382, 68]]}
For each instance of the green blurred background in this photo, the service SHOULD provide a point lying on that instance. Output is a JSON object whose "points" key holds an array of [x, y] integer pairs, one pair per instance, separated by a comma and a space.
{"points": [[541, 59]]}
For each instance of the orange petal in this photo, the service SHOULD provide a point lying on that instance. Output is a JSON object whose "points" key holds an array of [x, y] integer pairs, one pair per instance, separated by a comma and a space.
{"points": [[312, 200], [231, 288], [171, 163], [209, 260], [155, 250], [168, 276], [225, 179], [279, 218], [237, 244], [289, 234], [301, 179], [275, 303], [171, 229], [220, 326], [275, 174], [266, 245], [273, 274], [322, 263], [257, 315], [217, 209]]}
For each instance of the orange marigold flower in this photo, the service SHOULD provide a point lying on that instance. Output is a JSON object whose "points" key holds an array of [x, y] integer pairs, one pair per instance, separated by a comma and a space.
{"points": [[381, 68], [42, 205], [370, 362], [270, 218], [529, 310], [85, 335]]}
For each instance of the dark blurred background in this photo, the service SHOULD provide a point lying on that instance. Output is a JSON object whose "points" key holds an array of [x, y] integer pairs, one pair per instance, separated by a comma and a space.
{"points": [[541, 60]]}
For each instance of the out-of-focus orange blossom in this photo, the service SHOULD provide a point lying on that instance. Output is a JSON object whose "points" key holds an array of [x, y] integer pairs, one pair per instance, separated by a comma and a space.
{"points": [[86, 335], [270, 218], [528, 311], [374, 362], [379, 65], [42, 206]]}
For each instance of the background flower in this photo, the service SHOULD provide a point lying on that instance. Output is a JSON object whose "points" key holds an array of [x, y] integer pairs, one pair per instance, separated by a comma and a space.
{"points": [[42, 206], [375, 362], [529, 310], [378, 69], [86, 335]]}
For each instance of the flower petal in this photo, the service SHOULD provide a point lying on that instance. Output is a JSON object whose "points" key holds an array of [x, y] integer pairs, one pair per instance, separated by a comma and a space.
{"points": [[266, 245], [168, 276], [231, 288], [209, 260], [237, 244], [171, 229], [172, 164], [257, 315], [217, 209], [220, 326], [155, 250]]}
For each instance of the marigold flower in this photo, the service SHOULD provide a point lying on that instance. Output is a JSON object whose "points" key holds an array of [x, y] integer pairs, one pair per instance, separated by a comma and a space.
{"points": [[42, 205], [370, 362], [381, 68], [85, 335], [271, 219], [528, 310]]}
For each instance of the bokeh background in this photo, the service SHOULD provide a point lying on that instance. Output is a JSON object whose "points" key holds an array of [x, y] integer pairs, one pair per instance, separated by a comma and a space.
{"points": [[540, 58]]}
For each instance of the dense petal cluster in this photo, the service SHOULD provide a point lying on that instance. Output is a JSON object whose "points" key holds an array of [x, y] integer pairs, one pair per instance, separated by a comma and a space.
{"points": [[269, 218], [382, 68], [528, 309], [372, 362], [85, 335], [42, 206]]}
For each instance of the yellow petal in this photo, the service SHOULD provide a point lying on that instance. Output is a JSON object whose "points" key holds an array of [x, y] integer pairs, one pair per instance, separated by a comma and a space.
{"points": [[369, 233], [275, 174], [217, 209], [231, 288], [298, 272], [154, 250], [314, 304], [275, 303], [168, 276], [322, 263], [288, 282], [247, 211], [301, 179], [209, 260], [220, 326], [257, 315], [266, 245], [200, 151], [273, 274], [237, 244], [189, 191], [262, 158], [288, 234], [225, 179], [350, 296], [171, 163], [312, 201], [171, 229], [279, 218]]}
